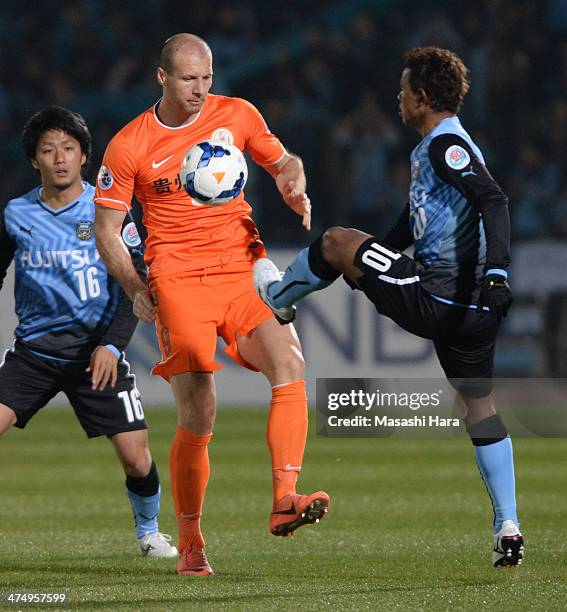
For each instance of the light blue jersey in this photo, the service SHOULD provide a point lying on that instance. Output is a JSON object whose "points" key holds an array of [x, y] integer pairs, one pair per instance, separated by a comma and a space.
{"points": [[449, 238], [65, 299]]}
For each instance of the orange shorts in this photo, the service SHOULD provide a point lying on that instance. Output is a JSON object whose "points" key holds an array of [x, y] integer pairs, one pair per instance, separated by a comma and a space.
{"points": [[194, 308]]}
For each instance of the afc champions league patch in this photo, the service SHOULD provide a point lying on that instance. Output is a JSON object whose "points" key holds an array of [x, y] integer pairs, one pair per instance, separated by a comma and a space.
{"points": [[130, 235], [224, 135], [84, 230], [456, 157], [105, 178]]}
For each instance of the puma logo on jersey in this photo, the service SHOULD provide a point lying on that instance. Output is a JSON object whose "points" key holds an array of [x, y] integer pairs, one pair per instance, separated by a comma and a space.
{"points": [[156, 165], [470, 172]]}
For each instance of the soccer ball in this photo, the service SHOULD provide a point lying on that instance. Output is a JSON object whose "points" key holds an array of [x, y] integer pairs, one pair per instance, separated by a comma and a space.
{"points": [[213, 172]]}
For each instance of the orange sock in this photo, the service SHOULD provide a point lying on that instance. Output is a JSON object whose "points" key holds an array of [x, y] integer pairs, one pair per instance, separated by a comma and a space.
{"points": [[189, 471], [286, 434]]}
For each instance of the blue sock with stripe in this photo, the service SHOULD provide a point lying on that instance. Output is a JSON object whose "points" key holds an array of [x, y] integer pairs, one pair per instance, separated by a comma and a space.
{"points": [[144, 495], [495, 459], [307, 273]]}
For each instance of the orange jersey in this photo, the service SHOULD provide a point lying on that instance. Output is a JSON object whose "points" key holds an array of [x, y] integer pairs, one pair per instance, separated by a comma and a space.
{"points": [[144, 159]]}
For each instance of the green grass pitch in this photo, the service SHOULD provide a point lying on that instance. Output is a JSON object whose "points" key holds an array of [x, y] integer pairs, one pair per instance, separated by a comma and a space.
{"points": [[408, 529]]}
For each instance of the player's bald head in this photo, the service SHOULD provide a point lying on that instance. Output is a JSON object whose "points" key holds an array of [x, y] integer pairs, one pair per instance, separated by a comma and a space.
{"points": [[182, 44]]}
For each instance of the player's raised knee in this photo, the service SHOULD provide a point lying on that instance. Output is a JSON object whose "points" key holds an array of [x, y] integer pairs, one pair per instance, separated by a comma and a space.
{"points": [[339, 244], [334, 237]]}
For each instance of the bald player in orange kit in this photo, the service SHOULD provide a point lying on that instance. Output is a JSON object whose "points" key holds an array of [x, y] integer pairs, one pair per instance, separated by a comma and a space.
{"points": [[200, 284]]}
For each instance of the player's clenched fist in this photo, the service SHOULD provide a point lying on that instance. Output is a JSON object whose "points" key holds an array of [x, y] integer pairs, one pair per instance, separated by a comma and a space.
{"points": [[144, 307], [298, 201]]}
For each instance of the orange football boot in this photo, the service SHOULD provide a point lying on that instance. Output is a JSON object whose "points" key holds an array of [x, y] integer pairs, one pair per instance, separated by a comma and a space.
{"points": [[193, 562], [293, 511]]}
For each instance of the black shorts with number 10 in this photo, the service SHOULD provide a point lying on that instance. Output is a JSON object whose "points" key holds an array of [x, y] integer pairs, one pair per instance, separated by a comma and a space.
{"points": [[28, 382], [464, 339]]}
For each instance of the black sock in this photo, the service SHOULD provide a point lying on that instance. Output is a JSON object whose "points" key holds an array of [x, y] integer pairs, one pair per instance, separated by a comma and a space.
{"points": [[488, 431], [319, 266], [146, 486]]}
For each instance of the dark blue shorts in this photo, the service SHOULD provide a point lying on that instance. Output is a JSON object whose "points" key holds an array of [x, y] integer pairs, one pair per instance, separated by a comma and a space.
{"points": [[28, 382], [464, 339]]}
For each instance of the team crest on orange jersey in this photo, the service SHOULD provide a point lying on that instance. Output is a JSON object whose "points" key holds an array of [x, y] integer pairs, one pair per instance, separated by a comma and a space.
{"points": [[224, 135], [105, 179]]}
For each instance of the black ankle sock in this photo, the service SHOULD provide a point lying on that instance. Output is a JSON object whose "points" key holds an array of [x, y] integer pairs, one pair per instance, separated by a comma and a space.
{"points": [[146, 486], [319, 266]]}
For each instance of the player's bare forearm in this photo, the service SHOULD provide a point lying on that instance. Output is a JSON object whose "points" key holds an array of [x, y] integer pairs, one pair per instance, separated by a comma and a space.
{"points": [[292, 184], [291, 170], [108, 225]]}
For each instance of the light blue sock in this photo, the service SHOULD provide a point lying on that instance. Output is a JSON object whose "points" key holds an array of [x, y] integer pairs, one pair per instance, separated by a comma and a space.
{"points": [[146, 511], [297, 282], [496, 464]]}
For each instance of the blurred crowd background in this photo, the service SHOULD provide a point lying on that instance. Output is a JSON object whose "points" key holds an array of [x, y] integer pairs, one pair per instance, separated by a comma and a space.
{"points": [[325, 75]]}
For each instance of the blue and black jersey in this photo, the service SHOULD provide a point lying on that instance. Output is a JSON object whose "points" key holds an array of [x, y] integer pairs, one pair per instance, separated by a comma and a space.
{"points": [[66, 302], [457, 215]]}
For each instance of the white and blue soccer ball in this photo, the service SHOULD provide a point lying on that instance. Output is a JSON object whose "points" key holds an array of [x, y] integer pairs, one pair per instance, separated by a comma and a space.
{"points": [[213, 172]]}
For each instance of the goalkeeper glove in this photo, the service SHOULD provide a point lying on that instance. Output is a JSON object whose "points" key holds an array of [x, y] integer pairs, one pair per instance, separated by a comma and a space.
{"points": [[496, 294]]}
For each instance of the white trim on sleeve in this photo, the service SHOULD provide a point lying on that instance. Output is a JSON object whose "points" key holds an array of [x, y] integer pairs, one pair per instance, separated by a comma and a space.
{"points": [[399, 281], [111, 200], [278, 160]]}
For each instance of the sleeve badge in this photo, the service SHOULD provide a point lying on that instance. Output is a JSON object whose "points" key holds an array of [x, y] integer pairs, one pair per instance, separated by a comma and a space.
{"points": [[457, 158], [105, 179]]}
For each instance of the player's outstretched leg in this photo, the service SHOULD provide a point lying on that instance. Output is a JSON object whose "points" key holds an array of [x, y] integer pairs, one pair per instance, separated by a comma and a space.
{"points": [[144, 493], [308, 272], [314, 268], [267, 274], [494, 455]]}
